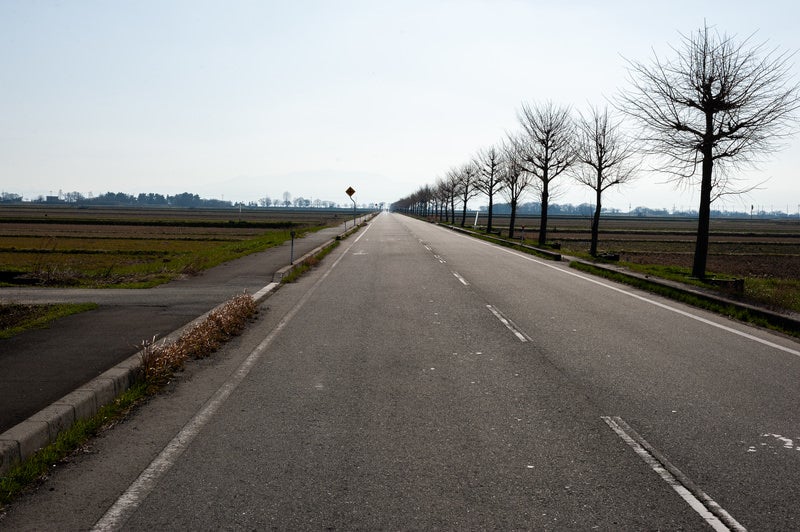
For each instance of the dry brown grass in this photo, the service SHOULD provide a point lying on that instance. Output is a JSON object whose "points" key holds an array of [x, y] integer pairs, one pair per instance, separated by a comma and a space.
{"points": [[161, 359]]}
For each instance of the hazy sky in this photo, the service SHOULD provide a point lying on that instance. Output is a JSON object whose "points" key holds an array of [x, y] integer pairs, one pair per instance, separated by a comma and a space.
{"points": [[242, 99]]}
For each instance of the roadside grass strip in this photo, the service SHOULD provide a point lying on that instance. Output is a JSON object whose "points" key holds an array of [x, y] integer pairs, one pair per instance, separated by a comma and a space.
{"points": [[16, 318], [308, 263], [35, 470], [160, 362], [732, 311]]}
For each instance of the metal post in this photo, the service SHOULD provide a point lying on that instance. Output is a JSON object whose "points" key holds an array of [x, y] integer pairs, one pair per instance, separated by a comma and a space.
{"points": [[354, 211], [291, 252]]}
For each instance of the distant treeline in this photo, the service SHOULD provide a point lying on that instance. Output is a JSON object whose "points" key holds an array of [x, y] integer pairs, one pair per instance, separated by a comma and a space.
{"points": [[586, 209], [184, 199]]}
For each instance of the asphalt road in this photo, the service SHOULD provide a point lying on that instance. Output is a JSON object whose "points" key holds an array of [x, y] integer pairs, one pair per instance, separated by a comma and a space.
{"points": [[421, 379]]}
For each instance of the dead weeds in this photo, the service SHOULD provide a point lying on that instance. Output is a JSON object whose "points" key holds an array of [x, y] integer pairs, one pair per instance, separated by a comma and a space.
{"points": [[161, 359]]}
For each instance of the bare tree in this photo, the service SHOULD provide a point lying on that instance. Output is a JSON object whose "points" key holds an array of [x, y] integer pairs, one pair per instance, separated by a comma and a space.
{"points": [[467, 178], [516, 180], [718, 104], [418, 203], [605, 158], [440, 199], [547, 149], [421, 201], [451, 189], [488, 162]]}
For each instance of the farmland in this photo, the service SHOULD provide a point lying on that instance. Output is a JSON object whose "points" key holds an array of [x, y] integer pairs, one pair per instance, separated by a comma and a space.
{"points": [[137, 247], [763, 252]]}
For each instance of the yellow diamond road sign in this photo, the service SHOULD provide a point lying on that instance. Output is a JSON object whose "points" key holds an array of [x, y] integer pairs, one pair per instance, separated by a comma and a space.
{"points": [[350, 191]]}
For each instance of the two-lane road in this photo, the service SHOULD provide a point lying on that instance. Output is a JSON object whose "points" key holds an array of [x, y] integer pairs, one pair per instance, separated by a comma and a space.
{"points": [[420, 379]]}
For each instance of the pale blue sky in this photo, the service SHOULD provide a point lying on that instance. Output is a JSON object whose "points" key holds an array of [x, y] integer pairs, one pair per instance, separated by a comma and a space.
{"points": [[242, 99]]}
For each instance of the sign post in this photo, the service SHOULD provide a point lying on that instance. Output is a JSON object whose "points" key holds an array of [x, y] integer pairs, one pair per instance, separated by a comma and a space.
{"points": [[350, 191]]}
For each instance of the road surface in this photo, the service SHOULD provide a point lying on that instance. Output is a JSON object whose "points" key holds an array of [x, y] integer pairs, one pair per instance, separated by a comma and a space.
{"points": [[421, 379]]}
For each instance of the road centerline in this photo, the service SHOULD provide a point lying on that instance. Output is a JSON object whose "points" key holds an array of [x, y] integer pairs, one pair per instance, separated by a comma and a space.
{"points": [[522, 337], [460, 278]]}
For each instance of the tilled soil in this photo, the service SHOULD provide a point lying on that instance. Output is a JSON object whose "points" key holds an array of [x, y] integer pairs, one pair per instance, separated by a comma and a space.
{"points": [[738, 265]]}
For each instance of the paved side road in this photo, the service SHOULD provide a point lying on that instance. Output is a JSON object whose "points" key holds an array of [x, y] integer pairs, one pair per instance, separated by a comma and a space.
{"points": [[40, 366]]}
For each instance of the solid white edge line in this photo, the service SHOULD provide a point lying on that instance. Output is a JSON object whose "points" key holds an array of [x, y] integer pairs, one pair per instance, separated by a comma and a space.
{"points": [[522, 337], [124, 507], [644, 299], [630, 437]]}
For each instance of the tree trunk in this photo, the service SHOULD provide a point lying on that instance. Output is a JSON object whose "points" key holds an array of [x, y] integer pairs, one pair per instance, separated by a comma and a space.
{"points": [[543, 223], [513, 219], [489, 220], [464, 212], [595, 226], [704, 218]]}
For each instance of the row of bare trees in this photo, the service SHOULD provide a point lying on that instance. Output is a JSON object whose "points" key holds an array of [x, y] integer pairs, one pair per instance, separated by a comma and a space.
{"points": [[592, 149], [717, 105]]}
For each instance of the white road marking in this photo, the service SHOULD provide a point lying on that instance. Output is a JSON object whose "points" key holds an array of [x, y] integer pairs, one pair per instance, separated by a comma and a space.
{"points": [[463, 281], [128, 502], [522, 337], [642, 298], [699, 501]]}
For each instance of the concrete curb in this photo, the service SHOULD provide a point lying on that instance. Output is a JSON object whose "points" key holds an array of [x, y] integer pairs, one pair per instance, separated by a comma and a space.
{"points": [[22, 440]]}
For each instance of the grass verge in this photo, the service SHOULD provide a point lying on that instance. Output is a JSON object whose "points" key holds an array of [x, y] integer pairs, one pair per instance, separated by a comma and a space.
{"points": [[16, 318], [732, 311], [308, 263], [160, 361], [35, 469]]}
